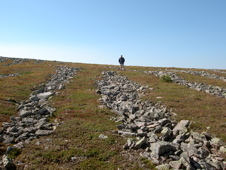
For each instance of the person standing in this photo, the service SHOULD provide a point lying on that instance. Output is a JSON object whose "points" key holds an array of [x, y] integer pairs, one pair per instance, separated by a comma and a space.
{"points": [[121, 62]]}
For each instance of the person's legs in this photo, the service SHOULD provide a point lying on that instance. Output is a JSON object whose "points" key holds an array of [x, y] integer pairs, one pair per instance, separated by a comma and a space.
{"points": [[122, 66]]}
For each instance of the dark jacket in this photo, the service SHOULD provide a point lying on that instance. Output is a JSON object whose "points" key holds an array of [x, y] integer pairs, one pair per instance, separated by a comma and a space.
{"points": [[121, 60]]}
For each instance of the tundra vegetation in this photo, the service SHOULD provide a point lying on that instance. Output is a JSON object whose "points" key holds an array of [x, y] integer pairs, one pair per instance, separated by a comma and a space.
{"points": [[76, 144]]}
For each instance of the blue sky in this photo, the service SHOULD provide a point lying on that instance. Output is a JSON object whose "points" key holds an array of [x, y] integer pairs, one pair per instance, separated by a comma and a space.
{"points": [[160, 33]]}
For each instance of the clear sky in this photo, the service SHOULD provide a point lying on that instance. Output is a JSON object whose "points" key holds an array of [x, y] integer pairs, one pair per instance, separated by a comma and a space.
{"points": [[162, 33]]}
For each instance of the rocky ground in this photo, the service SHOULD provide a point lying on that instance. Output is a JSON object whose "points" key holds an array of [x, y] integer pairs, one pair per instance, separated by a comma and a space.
{"points": [[33, 113], [149, 128]]}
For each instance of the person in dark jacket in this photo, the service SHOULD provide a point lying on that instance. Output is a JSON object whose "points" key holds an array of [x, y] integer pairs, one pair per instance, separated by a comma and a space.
{"points": [[121, 61]]}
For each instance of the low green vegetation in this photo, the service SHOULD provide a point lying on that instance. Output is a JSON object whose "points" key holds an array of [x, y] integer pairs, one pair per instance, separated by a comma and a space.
{"points": [[166, 78], [14, 153]]}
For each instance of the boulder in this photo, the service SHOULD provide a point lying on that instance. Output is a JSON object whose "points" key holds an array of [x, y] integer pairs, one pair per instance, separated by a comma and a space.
{"points": [[160, 148], [181, 127]]}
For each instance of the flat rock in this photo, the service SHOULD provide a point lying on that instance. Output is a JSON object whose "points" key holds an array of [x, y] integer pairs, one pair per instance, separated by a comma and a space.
{"points": [[43, 132], [45, 95]]}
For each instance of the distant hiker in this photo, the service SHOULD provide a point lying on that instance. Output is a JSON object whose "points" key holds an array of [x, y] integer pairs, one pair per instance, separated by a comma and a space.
{"points": [[121, 61]]}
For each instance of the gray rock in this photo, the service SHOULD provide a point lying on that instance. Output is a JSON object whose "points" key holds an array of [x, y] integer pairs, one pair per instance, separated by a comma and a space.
{"points": [[43, 111], [161, 148], [175, 164], [152, 138], [12, 129], [166, 133], [40, 124], [8, 163], [30, 129], [189, 148], [139, 143], [101, 136], [29, 120], [158, 129], [130, 143], [121, 126], [19, 145], [124, 133], [185, 160], [222, 149], [141, 133], [34, 98], [214, 164], [25, 113], [216, 142], [164, 121], [8, 139], [44, 95], [203, 152], [181, 127], [163, 167], [43, 132]]}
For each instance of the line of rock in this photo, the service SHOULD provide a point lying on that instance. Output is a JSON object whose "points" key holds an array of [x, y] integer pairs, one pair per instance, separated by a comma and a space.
{"points": [[10, 75], [17, 60], [219, 71], [214, 90], [150, 128], [2, 59], [31, 122], [201, 73]]}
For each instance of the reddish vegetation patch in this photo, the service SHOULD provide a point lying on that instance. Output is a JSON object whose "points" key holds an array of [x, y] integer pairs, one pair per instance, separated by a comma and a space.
{"points": [[4, 118]]}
